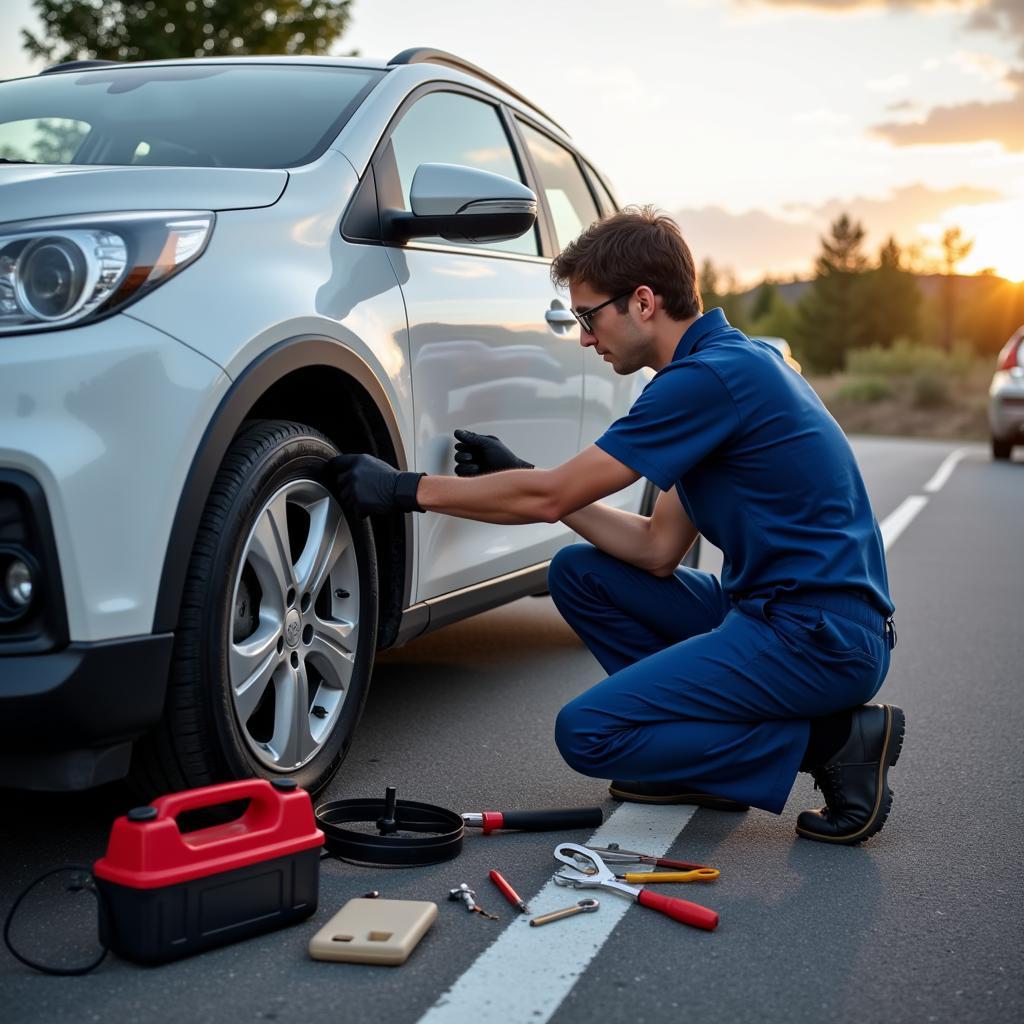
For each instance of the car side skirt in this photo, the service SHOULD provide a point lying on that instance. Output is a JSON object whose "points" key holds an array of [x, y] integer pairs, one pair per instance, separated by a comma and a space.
{"points": [[436, 612]]}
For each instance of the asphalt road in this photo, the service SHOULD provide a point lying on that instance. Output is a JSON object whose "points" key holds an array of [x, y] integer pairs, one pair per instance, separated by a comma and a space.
{"points": [[922, 923]]}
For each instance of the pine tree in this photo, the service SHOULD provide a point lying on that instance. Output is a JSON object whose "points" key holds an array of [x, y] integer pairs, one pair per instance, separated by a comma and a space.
{"points": [[892, 307], [831, 313]]}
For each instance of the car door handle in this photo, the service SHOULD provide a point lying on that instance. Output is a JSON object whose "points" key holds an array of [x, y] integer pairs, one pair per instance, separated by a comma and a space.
{"points": [[559, 316]]}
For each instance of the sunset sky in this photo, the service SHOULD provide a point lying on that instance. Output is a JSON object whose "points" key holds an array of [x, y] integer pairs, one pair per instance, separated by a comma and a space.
{"points": [[755, 122]]}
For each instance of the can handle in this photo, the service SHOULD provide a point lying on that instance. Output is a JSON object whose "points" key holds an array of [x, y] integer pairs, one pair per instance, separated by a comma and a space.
{"points": [[262, 814]]}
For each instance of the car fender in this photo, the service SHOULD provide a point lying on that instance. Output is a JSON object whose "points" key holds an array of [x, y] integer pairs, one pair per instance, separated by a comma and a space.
{"points": [[284, 358]]}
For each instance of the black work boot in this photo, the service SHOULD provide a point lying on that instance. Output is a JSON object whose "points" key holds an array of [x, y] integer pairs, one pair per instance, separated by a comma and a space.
{"points": [[853, 781], [672, 793]]}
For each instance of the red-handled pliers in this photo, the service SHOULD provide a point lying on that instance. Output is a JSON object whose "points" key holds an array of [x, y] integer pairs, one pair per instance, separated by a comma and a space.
{"points": [[599, 876]]}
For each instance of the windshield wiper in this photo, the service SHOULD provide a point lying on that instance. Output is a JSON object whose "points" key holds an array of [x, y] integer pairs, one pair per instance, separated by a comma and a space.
{"points": [[4, 160]]}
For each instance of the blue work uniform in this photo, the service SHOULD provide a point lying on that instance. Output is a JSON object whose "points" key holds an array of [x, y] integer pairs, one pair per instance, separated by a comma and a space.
{"points": [[712, 683]]}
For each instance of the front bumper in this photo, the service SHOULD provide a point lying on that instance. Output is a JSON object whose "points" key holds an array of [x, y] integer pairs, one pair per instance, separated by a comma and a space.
{"points": [[106, 418], [67, 718]]}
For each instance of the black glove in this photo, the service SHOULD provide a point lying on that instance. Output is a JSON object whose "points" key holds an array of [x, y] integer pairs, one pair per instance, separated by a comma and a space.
{"points": [[370, 485], [477, 454]]}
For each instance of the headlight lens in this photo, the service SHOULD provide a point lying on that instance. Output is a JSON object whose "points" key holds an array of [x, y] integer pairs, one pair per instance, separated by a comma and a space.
{"points": [[56, 273]]}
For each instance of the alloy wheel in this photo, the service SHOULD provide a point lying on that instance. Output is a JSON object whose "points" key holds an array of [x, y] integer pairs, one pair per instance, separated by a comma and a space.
{"points": [[295, 624]]}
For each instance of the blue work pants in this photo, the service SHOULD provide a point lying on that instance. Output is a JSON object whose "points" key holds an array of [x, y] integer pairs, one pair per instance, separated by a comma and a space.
{"points": [[700, 690]]}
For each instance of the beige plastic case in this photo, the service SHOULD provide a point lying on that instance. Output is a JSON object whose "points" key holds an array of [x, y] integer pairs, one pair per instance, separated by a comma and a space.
{"points": [[373, 931]]}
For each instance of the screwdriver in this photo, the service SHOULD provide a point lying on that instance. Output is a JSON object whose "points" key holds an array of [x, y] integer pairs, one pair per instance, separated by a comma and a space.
{"points": [[508, 892]]}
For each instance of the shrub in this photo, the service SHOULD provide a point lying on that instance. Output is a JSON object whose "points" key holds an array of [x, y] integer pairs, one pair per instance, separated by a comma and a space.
{"points": [[929, 389], [905, 358], [865, 389]]}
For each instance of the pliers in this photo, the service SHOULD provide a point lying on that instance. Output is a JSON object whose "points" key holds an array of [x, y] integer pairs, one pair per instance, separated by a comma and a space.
{"points": [[611, 854], [597, 875]]}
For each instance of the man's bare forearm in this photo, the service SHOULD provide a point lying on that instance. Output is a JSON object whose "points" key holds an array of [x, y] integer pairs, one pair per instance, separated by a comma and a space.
{"points": [[624, 535], [514, 496]]}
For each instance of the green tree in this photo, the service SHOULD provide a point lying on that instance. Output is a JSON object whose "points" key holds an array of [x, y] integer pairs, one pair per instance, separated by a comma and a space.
{"points": [[892, 299], [719, 288], [129, 30], [831, 312], [778, 320], [764, 299], [954, 249]]}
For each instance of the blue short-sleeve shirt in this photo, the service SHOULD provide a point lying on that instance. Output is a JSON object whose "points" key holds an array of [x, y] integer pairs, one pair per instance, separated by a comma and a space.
{"points": [[761, 467]]}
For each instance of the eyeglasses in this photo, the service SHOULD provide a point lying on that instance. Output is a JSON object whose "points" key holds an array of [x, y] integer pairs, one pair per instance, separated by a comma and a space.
{"points": [[584, 317]]}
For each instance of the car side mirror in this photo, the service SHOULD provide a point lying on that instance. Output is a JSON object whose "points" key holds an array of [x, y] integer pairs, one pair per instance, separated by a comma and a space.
{"points": [[462, 204]]}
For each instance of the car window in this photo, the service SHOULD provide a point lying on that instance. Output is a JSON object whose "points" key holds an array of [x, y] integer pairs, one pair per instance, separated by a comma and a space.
{"points": [[182, 115], [572, 206], [47, 140], [608, 204], [453, 128]]}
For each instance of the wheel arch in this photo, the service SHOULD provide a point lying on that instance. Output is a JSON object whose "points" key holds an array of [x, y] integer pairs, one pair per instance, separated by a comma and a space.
{"points": [[286, 383]]}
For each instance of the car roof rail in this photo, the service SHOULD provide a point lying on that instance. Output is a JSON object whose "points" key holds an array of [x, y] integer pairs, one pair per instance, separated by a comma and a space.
{"points": [[426, 55], [77, 65]]}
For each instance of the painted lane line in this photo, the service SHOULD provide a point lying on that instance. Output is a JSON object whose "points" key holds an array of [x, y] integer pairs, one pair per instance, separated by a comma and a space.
{"points": [[945, 471], [896, 522], [524, 975]]}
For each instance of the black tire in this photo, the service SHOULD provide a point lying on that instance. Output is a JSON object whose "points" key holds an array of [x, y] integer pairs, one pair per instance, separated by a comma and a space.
{"points": [[650, 496], [200, 739], [1001, 449]]}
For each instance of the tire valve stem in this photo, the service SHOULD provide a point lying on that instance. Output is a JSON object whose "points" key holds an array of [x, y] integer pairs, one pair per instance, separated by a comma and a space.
{"points": [[341, 594], [319, 710]]}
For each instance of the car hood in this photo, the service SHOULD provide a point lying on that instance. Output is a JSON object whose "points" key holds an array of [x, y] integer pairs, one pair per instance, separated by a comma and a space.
{"points": [[29, 191]]}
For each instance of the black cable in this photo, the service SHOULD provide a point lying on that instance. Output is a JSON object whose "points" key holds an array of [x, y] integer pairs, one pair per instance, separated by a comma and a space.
{"points": [[62, 971]]}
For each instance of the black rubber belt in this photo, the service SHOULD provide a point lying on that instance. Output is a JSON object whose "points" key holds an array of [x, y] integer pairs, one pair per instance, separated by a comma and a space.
{"points": [[443, 831]]}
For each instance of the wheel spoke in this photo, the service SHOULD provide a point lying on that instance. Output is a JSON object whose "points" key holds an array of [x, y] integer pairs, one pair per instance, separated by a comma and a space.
{"points": [[268, 545], [292, 741], [328, 540], [251, 664], [333, 649]]}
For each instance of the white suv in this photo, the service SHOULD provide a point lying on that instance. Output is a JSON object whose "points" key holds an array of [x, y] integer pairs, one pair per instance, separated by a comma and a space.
{"points": [[214, 275]]}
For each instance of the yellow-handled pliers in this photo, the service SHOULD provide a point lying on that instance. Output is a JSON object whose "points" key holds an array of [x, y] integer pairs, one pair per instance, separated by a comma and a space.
{"points": [[697, 875]]}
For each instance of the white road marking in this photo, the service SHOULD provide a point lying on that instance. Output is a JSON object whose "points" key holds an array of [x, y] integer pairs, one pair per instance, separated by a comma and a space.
{"points": [[896, 522], [524, 975], [945, 471]]}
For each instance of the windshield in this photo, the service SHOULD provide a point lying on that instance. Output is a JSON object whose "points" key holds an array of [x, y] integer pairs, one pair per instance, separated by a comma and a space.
{"points": [[182, 115]]}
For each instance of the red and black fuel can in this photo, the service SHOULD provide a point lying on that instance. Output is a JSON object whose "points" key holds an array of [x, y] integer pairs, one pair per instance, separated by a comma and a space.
{"points": [[166, 894]]}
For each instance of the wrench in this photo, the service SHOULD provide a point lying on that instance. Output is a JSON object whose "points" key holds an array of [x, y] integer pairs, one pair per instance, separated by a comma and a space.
{"points": [[583, 907]]}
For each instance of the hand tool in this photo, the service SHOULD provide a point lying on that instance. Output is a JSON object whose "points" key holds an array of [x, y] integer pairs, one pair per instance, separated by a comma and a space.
{"points": [[466, 895], [602, 877], [611, 854], [583, 907], [508, 892], [698, 875], [535, 821]]}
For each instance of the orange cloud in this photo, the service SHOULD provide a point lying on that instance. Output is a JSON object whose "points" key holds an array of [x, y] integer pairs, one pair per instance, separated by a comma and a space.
{"points": [[1002, 122]]}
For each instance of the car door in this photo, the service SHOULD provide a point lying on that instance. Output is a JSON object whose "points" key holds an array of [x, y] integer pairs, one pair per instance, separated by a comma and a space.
{"points": [[491, 347], [573, 206]]}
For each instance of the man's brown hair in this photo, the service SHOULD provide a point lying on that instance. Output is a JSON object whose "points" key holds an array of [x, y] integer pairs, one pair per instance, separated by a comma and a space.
{"points": [[639, 245]]}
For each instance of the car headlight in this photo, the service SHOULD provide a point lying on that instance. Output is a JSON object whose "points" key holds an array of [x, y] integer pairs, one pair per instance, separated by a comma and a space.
{"points": [[63, 271]]}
